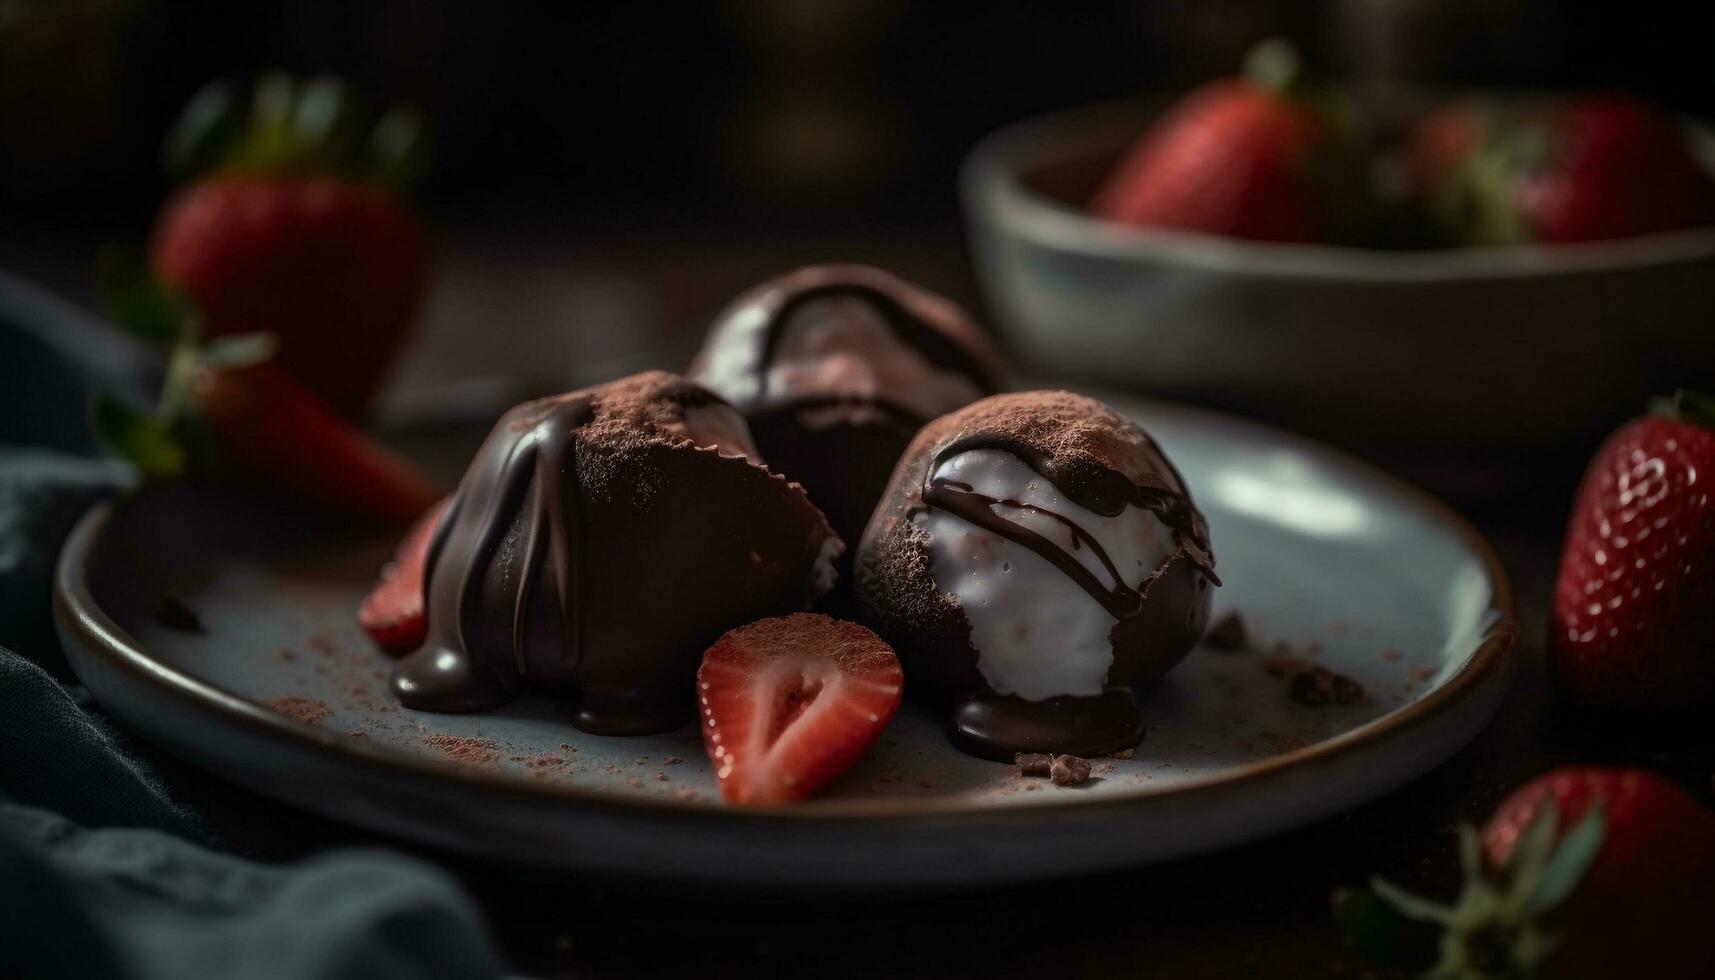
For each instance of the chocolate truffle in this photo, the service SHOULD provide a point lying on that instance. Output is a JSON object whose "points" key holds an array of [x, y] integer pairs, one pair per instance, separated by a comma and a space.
{"points": [[1037, 562], [836, 367], [599, 542]]}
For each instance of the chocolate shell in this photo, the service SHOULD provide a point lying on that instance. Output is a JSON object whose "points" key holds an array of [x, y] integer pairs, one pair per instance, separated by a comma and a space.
{"points": [[599, 542], [1081, 523], [836, 367]]}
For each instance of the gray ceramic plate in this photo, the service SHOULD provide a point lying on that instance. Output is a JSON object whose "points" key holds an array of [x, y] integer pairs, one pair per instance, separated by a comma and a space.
{"points": [[281, 691]]}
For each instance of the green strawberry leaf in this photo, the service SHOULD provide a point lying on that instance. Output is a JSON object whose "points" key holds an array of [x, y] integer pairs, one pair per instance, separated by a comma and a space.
{"points": [[324, 122], [1535, 846], [1577, 851], [133, 434], [1411, 906], [204, 131], [398, 151], [239, 350], [137, 302], [1274, 64], [1377, 929], [1693, 407]]}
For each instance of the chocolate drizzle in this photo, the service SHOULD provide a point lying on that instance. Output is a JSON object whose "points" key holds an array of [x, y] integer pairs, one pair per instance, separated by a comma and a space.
{"points": [[1121, 601], [1102, 491], [934, 344], [593, 551], [539, 469]]}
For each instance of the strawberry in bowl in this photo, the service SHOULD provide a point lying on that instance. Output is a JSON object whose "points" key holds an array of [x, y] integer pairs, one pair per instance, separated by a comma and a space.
{"points": [[1251, 157], [1587, 168]]}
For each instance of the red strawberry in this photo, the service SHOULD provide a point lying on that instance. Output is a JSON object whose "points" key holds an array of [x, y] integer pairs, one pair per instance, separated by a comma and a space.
{"points": [[288, 232], [285, 439], [790, 703], [1591, 168], [1634, 606], [1581, 873], [1232, 158], [392, 613]]}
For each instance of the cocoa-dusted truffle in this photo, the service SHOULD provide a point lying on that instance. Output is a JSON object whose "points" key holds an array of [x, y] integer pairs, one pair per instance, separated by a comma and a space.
{"points": [[836, 367], [600, 541], [1037, 561]]}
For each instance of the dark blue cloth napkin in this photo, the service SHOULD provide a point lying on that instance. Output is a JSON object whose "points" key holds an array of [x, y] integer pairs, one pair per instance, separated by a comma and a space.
{"points": [[108, 864]]}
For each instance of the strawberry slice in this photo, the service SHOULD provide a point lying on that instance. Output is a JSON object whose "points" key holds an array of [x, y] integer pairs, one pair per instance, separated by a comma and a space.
{"points": [[392, 613], [792, 702]]}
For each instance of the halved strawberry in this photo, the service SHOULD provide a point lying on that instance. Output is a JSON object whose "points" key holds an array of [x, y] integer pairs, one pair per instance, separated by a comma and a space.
{"points": [[392, 613], [790, 703]]}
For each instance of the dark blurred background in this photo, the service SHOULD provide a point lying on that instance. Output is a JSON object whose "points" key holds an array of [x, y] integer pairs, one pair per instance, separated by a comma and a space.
{"points": [[778, 114], [624, 169]]}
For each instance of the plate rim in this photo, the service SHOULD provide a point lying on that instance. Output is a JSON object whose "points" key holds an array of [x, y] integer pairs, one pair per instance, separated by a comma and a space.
{"points": [[81, 618]]}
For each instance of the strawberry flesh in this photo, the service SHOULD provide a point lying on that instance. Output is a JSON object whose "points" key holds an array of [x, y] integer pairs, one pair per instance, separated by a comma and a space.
{"points": [[1634, 605], [1230, 159], [392, 614], [790, 703]]}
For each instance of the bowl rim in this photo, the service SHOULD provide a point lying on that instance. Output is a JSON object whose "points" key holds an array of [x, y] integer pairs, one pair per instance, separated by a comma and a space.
{"points": [[993, 192]]}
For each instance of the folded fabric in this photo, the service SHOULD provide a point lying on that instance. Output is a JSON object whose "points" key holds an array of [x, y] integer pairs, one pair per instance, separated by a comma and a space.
{"points": [[145, 904], [106, 868]]}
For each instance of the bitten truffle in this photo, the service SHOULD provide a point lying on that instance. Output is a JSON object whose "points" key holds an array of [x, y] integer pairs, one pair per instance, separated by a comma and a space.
{"points": [[1037, 561], [836, 367], [599, 542]]}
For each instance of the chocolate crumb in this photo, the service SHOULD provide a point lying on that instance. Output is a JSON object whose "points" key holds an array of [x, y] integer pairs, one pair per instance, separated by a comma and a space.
{"points": [[307, 710], [1068, 770], [1280, 662], [1228, 634], [1033, 786], [661, 776], [1122, 754], [464, 749], [671, 760], [566, 746], [634, 782], [358, 733], [1319, 685], [172, 613], [1033, 763]]}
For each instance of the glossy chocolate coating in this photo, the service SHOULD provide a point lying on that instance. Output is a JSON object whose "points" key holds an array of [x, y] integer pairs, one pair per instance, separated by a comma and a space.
{"points": [[837, 436], [594, 551], [1103, 463]]}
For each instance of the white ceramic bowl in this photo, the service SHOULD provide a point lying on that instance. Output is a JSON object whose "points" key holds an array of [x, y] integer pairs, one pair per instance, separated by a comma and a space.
{"points": [[1502, 347]]}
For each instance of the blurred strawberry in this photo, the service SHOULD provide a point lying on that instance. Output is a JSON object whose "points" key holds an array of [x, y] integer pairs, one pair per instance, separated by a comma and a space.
{"points": [[1580, 873], [293, 225], [1634, 605], [1247, 157], [1589, 168], [227, 411]]}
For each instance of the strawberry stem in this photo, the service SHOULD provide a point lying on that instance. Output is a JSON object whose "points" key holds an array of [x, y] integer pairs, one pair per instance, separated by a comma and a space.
{"points": [[1693, 407]]}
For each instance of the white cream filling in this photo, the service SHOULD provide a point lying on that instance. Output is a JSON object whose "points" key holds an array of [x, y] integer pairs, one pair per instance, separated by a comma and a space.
{"points": [[1037, 633], [839, 346]]}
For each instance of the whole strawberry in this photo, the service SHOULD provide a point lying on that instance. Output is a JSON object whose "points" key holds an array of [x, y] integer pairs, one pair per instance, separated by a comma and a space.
{"points": [[1245, 157], [1634, 605], [1581, 873], [1589, 168], [293, 224]]}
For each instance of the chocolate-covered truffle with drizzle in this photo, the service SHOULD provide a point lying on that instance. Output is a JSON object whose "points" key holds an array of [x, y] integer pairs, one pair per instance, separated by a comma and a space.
{"points": [[1037, 561], [836, 367], [599, 542]]}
